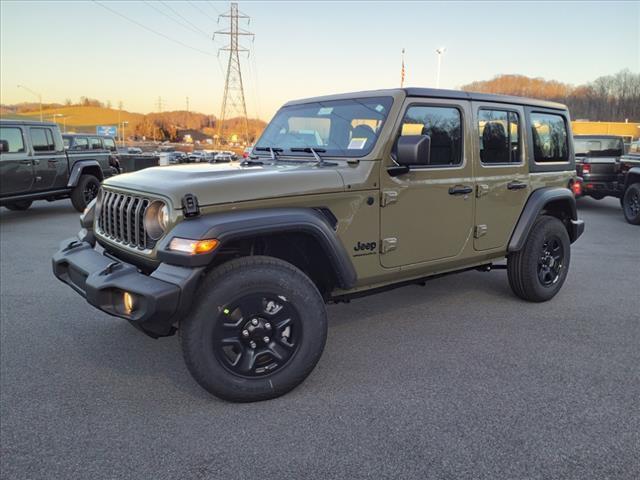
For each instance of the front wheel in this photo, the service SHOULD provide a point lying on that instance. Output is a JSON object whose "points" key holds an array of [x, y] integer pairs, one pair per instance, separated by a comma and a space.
{"points": [[257, 329], [631, 204], [85, 191], [536, 273]]}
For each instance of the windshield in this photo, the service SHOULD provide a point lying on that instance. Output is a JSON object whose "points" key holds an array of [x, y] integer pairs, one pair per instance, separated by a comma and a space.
{"points": [[340, 128], [598, 147]]}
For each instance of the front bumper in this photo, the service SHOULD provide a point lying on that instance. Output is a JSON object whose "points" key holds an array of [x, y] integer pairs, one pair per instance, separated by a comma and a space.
{"points": [[159, 299], [577, 229]]}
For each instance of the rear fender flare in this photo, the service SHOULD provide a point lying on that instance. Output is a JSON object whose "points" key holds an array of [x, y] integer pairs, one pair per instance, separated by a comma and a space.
{"points": [[536, 203]]}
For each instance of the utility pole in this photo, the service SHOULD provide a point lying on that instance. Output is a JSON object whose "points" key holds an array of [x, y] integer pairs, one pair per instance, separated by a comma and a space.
{"points": [[439, 51], [233, 102], [187, 104], [160, 104], [37, 95], [120, 121]]}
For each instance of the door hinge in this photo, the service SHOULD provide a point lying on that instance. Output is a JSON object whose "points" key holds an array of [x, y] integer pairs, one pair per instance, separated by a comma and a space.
{"points": [[480, 230], [481, 189], [388, 197], [389, 244]]}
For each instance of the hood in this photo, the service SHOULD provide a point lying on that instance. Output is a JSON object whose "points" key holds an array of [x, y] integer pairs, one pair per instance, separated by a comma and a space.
{"points": [[226, 183]]}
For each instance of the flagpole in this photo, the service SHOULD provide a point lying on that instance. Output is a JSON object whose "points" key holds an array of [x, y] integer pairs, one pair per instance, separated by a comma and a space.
{"points": [[402, 71]]}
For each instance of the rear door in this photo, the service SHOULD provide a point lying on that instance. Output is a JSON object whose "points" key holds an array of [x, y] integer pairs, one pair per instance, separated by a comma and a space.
{"points": [[16, 167], [49, 159], [427, 213], [502, 174]]}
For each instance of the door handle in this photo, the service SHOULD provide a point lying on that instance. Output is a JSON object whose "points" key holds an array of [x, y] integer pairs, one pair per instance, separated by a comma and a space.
{"points": [[25, 162], [515, 185], [460, 190]]}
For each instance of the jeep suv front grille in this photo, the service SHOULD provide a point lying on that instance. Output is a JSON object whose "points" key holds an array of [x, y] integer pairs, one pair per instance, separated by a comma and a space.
{"points": [[121, 219]]}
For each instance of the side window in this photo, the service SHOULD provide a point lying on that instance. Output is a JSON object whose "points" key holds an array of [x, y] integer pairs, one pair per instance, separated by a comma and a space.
{"points": [[109, 144], [42, 140], [81, 143], [443, 125], [11, 140], [499, 136], [549, 134], [95, 143]]}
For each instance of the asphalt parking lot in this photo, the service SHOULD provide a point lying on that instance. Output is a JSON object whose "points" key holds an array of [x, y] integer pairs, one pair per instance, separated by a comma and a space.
{"points": [[456, 379]]}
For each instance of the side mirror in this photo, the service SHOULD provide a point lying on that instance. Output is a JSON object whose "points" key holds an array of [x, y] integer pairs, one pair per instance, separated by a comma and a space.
{"points": [[4, 146], [414, 150]]}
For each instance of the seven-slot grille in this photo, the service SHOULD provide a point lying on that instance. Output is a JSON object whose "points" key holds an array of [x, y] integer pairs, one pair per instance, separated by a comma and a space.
{"points": [[121, 219]]}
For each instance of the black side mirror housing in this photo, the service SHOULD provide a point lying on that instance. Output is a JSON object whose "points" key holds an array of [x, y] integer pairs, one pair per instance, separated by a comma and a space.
{"points": [[414, 150], [4, 146]]}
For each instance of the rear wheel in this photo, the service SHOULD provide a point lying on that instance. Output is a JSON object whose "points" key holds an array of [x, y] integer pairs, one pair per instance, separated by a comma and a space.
{"points": [[631, 204], [536, 273], [85, 191], [257, 329], [19, 206]]}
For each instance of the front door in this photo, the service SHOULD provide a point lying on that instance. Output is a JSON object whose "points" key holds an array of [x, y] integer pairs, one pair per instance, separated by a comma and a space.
{"points": [[16, 168], [427, 213], [502, 174]]}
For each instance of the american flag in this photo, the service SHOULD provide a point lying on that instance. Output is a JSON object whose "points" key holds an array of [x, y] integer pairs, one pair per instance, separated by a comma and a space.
{"points": [[402, 71]]}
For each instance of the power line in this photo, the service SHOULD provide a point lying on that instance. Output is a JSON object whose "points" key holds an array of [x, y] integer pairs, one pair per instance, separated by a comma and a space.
{"points": [[178, 14], [178, 42], [175, 20], [202, 11]]}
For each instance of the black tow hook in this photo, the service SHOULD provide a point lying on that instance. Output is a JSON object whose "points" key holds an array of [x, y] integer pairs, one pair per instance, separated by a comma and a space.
{"points": [[111, 268]]}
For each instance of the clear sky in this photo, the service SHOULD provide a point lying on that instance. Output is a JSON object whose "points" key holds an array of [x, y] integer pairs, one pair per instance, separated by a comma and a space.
{"points": [[72, 49]]}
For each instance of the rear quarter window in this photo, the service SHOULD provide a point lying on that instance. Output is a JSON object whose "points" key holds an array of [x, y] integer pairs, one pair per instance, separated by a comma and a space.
{"points": [[549, 137]]}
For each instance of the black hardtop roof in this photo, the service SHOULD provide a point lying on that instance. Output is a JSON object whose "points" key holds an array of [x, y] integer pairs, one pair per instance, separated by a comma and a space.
{"points": [[438, 93], [9, 121]]}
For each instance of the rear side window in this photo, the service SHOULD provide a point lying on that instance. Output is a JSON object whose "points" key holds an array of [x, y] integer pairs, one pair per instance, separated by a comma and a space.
{"points": [[443, 125], [109, 144], [549, 134], [11, 139], [95, 143], [499, 136], [42, 140], [80, 143]]}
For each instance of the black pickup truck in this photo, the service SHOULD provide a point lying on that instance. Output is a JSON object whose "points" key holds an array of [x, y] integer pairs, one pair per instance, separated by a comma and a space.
{"points": [[34, 165], [629, 178], [598, 164]]}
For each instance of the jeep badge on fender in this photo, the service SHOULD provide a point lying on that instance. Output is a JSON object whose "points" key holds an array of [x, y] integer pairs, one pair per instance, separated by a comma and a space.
{"points": [[246, 279]]}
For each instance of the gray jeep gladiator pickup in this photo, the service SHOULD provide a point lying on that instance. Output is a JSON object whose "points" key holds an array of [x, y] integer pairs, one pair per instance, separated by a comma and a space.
{"points": [[34, 165]]}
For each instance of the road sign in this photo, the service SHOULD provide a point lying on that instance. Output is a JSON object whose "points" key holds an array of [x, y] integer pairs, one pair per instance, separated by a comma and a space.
{"points": [[106, 130]]}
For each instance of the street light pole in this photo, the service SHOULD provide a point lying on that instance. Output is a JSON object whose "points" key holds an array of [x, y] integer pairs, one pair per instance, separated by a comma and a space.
{"points": [[439, 52], [123, 135], [37, 95]]}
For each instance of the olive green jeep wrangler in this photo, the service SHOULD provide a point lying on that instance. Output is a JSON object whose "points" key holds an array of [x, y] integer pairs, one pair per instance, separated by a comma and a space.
{"points": [[343, 196]]}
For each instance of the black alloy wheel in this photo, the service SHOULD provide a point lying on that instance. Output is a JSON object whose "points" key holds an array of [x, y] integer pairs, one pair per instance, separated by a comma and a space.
{"points": [[551, 260], [257, 334], [631, 204], [90, 191]]}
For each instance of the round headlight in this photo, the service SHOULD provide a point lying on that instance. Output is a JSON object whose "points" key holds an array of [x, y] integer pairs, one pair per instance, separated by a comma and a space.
{"points": [[156, 219]]}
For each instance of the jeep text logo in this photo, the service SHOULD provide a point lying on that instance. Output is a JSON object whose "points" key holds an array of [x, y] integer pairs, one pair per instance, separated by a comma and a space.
{"points": [[370, 246]]}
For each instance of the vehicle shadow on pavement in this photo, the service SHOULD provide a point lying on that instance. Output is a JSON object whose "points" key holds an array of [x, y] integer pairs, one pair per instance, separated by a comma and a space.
{"points": [[35, 213]]}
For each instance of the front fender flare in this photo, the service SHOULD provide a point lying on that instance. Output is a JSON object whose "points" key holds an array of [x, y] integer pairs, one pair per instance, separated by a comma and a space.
{"points": [[77, 168], [229, 226]]}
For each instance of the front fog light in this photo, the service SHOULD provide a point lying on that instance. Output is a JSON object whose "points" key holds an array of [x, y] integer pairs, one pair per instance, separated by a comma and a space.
{"points": [[128, 300]]}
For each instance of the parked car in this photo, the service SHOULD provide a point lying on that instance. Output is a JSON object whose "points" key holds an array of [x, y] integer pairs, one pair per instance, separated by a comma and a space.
{"points": [[393, 188], [630, 181], [222, 157], [247, 152], [597, 163], [134, 150], [197, 156], [34, 165]]}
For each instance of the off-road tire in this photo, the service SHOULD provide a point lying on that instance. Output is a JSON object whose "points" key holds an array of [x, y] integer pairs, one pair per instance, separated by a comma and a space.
{"points": [[19, 206], [79, 196], [630, 204], [523, 266], [252, 276]]}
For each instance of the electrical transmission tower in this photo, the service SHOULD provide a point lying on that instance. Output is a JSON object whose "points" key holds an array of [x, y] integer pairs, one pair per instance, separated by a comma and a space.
{"points": [[233, 103]]}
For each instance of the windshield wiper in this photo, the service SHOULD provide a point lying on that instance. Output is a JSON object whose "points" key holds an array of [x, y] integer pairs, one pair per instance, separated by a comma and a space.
{"points": [[314, 152], [274, 151]]}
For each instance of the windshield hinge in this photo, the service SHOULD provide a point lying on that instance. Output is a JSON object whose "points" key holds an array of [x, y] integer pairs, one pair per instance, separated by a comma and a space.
{"points": [[388, 197], [190, 206]]}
